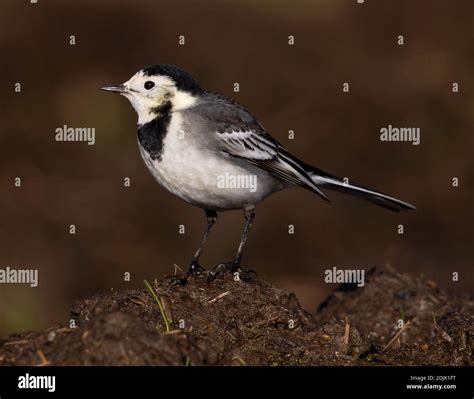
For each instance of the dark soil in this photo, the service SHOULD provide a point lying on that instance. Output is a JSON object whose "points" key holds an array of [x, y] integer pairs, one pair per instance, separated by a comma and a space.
{"points": [[229, 322]]}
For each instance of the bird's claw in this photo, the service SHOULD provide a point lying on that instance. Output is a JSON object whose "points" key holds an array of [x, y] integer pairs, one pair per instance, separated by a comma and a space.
{"points": [[195, 268], [178, 280]]}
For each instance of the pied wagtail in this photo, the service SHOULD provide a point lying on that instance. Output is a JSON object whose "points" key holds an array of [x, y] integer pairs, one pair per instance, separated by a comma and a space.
{"points": [[191, 138]]}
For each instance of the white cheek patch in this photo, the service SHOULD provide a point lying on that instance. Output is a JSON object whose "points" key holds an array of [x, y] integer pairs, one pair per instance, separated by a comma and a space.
{"points": [[145, 101]]}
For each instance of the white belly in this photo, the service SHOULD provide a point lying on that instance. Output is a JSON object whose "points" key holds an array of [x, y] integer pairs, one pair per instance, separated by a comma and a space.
{"points": [[204, 178]]}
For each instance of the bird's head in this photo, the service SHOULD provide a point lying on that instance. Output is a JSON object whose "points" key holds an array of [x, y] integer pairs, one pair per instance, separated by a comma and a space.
{"points": [[156, 86]]}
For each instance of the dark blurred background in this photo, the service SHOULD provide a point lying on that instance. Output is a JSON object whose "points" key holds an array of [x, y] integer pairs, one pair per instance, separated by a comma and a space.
{"points": [[286, 87]]}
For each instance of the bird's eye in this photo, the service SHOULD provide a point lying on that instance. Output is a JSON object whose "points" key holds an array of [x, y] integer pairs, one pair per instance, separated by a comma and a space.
{"points": [[149, 84]]}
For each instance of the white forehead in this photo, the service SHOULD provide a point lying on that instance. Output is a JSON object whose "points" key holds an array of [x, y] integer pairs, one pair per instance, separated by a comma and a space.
{"points": [[140, 78]]}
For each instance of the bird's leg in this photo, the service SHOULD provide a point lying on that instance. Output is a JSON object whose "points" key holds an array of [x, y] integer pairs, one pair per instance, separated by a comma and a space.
{"points": [[249, 217], [235, 265], [194, 266]]}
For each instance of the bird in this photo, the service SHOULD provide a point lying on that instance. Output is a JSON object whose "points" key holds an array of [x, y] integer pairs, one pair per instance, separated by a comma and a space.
{"points": [[207, 149]]}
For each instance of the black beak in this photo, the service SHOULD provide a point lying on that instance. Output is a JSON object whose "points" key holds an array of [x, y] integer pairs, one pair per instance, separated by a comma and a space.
{"points": [[115, 88]]}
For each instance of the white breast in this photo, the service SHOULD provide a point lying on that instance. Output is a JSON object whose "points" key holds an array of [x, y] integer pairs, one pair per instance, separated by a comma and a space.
{"points": [[204, 177]]}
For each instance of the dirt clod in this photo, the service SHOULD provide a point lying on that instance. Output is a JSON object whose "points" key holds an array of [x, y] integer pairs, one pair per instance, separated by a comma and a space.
{"points": [[396, 319]]}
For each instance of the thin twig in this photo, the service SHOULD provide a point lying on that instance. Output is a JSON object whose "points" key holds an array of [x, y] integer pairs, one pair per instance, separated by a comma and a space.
{"points": [[176, 267], [136, 301], [20, 342], [44, 361], [347, 332], [220, 296], [396, 336], [443, 333], [172, 332], [438, 328], [64, 329]]}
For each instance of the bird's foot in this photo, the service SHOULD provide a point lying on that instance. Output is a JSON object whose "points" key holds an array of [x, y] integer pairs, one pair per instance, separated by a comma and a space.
{"points": [[195, 268], [178, 280], [232, 268]]}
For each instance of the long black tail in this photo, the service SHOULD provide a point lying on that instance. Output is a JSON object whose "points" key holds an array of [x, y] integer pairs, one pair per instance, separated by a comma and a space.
{"points": [[325, 180]]}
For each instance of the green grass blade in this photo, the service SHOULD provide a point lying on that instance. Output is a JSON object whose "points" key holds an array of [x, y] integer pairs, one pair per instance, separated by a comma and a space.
{"points": [[162, 311]]}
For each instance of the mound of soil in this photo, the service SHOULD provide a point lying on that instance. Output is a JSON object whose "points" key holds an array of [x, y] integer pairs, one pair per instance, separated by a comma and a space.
{"points": [[396, 319]]}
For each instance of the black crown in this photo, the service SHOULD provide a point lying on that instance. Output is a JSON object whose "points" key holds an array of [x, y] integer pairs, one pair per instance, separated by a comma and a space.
{"points": [[184, 81]]}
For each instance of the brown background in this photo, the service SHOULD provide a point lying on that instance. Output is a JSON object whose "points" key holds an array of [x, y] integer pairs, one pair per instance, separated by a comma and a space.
{"points": [[286, 87]]}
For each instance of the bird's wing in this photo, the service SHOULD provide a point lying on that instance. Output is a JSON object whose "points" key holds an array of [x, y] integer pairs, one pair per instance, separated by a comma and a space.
{"points": [[240, 135]]}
